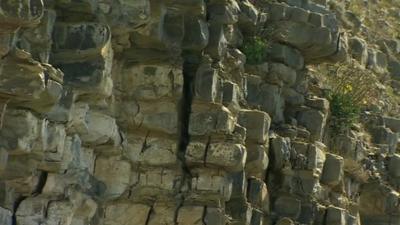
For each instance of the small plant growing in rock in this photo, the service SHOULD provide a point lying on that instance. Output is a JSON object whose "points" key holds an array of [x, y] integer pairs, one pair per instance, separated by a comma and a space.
{"points": [[352, 88], [255, 49]]}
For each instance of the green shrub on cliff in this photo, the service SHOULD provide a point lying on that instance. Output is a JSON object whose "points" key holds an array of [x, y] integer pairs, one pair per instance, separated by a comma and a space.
{"points": [[352, 88], [255, 49]]}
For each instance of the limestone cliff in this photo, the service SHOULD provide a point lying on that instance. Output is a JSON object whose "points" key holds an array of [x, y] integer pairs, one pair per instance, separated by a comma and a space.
{"points": [[149, 112]]}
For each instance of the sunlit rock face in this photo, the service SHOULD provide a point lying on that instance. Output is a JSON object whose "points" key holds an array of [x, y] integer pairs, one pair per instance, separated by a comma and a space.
{"points": [[145, 112]]}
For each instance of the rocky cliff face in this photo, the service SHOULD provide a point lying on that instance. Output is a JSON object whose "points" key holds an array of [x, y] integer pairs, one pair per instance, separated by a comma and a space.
{"points": [[145, 112]]}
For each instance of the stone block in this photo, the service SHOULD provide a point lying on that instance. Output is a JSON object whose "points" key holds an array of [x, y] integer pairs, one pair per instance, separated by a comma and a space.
{"points": [[190, 215], [321, 104], [297, 14], [155, 181], [195, 153], [257, 124], [359, 50], [116, 213], [218, 44], [248, 16], [287, 206], [292, 97], [32, 210], [239, 184], [272, 101], [241, 212], [314, 121], [162, 214], [206, 121], [257, 161], [208, 86], [3, 159], [89, 77], [280, 72], [162, 117], [305, 183], [335, 216], [285, 221], [151, 151], [316, 19], [280, 152], [231, 94], [151, 81], [277, 11], [214, 216], [88, 38], [207, 182], [286, 55], [257, 194], [59, 212], [20, 131], [20, 13], [101, 129], [394, 68], [394, 165], [114, 173], [383, 135], [223, 13], [332, 172], [226, 155], [257, 217], [197, 36], [315, 158], [5, 216], [377, 61], [392, 123]]}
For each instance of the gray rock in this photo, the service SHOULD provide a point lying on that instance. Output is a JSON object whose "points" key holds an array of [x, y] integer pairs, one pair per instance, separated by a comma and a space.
{"points": [[281, 72], [114, 173], [287, 206], [257, 161], [392, 123], [197, 36], [257, 194], [314, 121], [257, 124], [115, 213], [286, 55], [377, 61], [226, 155], [394, 165], [336, 216], [5, 216], [359, 50], [208, 86], [332, 172]]}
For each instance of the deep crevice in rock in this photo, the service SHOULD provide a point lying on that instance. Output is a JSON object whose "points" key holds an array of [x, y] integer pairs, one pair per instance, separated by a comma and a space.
{"points": [[15, 208]]}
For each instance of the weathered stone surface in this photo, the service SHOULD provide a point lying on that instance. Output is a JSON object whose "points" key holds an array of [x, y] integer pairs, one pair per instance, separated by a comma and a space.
{"points": [[5, 216], [257, 124], [20, 131], [359, 50], [114, 173], [288, 206], [314, 121], [336, 216], [116, 213], [332, 172], [145, 112]]}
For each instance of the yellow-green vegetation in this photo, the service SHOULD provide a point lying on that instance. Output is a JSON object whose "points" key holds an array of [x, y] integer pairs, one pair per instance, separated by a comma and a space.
{"points": [[379, 16], [255, 49], [351, 89]]}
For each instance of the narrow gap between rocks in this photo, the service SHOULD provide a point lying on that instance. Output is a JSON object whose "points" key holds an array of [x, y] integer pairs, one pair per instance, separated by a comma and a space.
{"points": [[190, 65], [15, 208]]}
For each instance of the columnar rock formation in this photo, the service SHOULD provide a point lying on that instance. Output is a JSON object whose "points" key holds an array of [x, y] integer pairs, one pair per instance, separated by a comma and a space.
{"points": [[145, 112]]}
